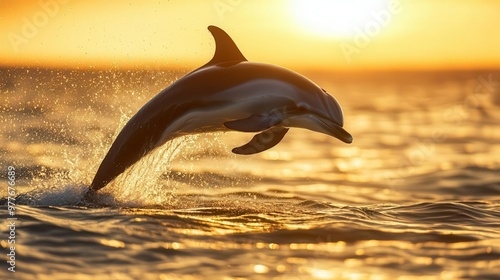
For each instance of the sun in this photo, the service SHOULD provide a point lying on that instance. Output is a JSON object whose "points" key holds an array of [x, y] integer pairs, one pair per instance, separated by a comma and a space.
{"points": [[335, 18]]}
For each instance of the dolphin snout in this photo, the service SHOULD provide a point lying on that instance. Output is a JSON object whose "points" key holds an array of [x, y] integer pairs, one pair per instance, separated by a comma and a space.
{"points": [[339, 133], [333, 128], [321, 124]]}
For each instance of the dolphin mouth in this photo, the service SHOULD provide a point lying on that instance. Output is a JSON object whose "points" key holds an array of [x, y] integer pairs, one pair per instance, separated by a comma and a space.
{"points": [[320, 124], [331, 128], [340, 133]]}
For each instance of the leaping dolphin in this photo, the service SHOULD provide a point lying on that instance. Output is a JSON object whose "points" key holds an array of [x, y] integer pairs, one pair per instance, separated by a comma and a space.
{"points": [[227, 93]]}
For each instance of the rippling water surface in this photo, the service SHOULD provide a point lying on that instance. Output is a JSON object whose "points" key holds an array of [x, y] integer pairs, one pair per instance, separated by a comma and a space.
{"points": [[416, 196]]}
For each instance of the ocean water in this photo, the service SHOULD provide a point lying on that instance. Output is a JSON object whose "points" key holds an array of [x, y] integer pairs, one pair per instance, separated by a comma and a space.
{"points": [[415, 196]]}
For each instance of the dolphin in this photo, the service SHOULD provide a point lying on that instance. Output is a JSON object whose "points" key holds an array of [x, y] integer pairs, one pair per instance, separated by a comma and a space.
{"points": [[227, 93]]}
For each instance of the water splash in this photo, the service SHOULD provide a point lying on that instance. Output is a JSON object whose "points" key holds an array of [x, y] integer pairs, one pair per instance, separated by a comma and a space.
{"points": [[147, 182], [191, 164], [53, 196]]}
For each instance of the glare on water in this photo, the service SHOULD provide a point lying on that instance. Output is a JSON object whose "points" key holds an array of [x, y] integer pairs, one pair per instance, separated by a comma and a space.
{"points": [[415, 196]]}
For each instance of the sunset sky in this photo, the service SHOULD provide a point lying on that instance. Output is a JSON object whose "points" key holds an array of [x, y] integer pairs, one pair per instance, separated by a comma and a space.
{"points": [[326, 34]]}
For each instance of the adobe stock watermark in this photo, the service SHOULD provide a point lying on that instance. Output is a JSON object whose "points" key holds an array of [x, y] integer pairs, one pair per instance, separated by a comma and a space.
{"points": [[31, 26], [454, 117], [222, 7], [12, 219], [372, 28]]}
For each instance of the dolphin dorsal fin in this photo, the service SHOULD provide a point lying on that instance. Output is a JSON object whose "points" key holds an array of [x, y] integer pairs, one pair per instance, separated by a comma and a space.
{"points": [[225, 48]]}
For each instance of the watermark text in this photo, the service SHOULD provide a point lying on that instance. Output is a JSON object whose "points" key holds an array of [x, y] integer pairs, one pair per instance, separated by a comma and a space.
{"points": [[11, 220]]}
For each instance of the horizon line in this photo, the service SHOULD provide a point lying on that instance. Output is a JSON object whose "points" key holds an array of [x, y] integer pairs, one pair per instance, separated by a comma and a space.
{"points": [[148, 68]]}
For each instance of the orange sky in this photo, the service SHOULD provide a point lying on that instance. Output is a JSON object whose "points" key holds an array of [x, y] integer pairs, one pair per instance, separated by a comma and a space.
{"points": [[331, 34]]}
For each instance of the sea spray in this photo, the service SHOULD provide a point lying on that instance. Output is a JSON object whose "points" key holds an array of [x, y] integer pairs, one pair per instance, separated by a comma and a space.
{"points": [[145, 183]]}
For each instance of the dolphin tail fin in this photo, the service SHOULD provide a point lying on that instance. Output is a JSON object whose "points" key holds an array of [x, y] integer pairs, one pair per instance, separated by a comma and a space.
{"points": [[225, 48]]}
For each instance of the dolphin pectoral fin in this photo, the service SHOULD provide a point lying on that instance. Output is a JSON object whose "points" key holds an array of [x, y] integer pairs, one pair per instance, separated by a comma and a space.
{"points": [[262, 141], [254, 123]]}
